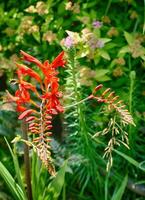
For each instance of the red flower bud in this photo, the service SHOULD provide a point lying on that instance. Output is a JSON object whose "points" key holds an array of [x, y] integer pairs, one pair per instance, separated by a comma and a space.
{"points": [[25, 114]]}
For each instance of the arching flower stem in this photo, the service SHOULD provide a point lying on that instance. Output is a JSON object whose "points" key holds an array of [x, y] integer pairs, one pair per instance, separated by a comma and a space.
{"points": [[75, 104]]}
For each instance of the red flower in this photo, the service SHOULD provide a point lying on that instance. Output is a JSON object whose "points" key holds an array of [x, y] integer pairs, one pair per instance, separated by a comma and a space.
{"points": [[48, 104], [50, 93], [25, 114], [24, 70], [27, 86], [23, 97], [58, 61], [30, 58]]}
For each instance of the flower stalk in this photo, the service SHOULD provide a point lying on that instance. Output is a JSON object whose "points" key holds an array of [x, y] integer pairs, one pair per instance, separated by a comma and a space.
{"points": [[38, 113], [27, 160]]}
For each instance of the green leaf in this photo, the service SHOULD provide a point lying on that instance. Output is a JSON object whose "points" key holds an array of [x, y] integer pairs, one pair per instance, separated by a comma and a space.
{"points": [[104, 54], [101, 72], [82, 52], [129, 38], [49, 4], [105, 40], [36, 36], [97, 33], [129, 159], [118, 195], [104, 78], [110, 45], [13, 186], [55, 187], [101, 75], [143, 57], [38, 177], [142, 165], [144, 28], [124, 50]]}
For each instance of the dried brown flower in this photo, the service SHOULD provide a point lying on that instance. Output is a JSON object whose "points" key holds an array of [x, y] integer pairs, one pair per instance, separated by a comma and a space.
{"points": [[68, 5], [49, 36], [119, 61], [106, 20], [113, 32], [118, 71], [133, 15], [41, 8]]}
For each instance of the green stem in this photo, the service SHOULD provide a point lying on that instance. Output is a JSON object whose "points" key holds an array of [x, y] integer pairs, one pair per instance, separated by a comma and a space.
{"points": [[136, 25], [144, 19], [108, 7], [131, 89], [74, 74], [82, 121], [81, 118], [64, 192], [75, 104], [106, 185], [27, 161], [131, 85]]}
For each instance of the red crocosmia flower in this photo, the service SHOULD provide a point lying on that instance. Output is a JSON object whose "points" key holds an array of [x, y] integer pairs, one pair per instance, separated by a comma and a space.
{"points": [[11, 98], [20, 98], [52, 103], [23, 95], [27, 86], [59, 61], [39, 113], [25, 114], [47, 69], [59, 94], [60, 109], [30, 58], [54, 86], [50, 92], [46, 96], [20, 108], [24, 70], [29, 119]]}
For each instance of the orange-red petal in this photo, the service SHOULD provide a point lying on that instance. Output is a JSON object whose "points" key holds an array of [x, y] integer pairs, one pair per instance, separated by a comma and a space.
{"points": [[29, 119], [30, 58], [20, 108], [27, 86], [58, 61], [25, 114], [24, 70]]}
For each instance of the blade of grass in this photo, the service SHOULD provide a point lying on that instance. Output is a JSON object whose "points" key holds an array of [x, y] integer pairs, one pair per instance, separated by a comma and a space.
{"points": [[118, 195], [39, 178], [144, 19], [108, 7], [15, 189], [35, 176], [129, 159], [106, 185], [16, 166], [56, 185]]}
